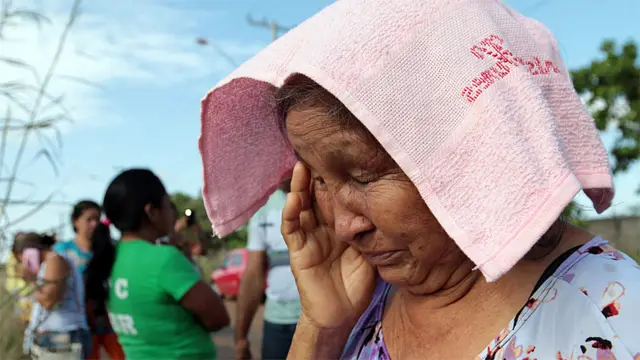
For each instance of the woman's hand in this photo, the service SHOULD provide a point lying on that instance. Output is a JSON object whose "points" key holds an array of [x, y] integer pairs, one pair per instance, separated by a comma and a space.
{"points": [[334, 280]]}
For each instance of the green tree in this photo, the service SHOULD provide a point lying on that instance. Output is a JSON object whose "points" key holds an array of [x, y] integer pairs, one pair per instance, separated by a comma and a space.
{"points": [[196, 204], [184, 201], [574, 214], [611, 85]]}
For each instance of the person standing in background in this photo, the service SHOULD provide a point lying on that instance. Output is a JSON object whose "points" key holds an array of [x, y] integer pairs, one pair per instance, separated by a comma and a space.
{"points": [[268, 260], [179, 240], [84, 219], [157, 303], [16, 285], [57, 326]]}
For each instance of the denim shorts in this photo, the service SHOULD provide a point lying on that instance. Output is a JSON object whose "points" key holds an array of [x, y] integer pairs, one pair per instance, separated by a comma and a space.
{"points": [[276, 340], [52, 343]]}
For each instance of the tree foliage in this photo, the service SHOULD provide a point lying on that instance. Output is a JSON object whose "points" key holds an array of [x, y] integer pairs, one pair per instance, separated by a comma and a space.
{"points": [[184, 201], [611, 85]]}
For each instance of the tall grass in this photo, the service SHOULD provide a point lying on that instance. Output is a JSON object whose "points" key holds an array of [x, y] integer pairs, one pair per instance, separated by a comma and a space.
{"points": [[11, 325], [28, 112]]}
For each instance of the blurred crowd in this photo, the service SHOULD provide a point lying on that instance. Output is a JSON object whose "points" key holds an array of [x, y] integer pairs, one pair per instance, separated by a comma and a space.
{"points": [[94, 294]]}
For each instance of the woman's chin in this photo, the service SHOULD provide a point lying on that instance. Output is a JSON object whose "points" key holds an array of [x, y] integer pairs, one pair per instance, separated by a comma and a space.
{"points": [[396, 274]]}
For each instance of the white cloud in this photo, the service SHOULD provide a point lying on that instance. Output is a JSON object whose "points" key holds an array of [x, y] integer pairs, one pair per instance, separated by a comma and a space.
{"points": [[116, 42], [142, 41]]}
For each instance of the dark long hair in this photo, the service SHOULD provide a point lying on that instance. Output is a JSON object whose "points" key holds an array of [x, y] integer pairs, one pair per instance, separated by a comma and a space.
{"points": [[80, 208], [127, 196], [124, 203], [99, 268]]}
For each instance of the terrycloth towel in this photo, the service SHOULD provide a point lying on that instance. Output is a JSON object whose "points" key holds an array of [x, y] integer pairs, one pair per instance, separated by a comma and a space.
{"points": [[469, 97]]}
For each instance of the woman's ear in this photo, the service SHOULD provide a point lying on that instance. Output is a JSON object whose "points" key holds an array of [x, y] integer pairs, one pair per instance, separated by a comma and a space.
{"points": [[148, 210], [153, 214]]}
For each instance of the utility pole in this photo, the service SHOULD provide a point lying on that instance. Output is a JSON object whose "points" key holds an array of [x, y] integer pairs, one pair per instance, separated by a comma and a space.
{"points": [[272, 25]]}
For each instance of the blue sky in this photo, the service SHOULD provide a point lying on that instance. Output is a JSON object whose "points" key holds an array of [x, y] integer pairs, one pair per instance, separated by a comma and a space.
{"points": [[150, 75]]}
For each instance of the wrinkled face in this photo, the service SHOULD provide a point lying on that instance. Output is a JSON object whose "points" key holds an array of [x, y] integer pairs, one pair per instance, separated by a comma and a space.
{"points": [[368, 200], [87, 222]]}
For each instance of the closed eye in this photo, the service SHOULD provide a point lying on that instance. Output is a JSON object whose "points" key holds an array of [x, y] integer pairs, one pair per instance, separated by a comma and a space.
{"points": [[318, 181], [363, 179]]}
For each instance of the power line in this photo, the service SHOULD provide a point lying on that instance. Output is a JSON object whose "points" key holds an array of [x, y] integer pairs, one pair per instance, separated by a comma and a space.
{"points": [[272, 25], [206, 42]]}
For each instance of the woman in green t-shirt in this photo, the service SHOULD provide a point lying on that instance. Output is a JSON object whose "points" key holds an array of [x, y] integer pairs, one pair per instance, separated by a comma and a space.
{"points": [[158, 305]]}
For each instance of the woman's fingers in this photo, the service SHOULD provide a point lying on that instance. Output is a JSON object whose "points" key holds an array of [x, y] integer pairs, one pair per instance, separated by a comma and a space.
{"points": [[301, 178], [295, 219], [290, 228], [301, 185]]}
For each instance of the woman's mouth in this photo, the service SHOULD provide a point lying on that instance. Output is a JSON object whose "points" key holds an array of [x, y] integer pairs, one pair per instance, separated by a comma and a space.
{"points": [[381, 258]]}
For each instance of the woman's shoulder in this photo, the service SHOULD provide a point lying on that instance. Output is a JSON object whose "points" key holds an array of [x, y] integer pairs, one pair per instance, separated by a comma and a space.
{"points": [[600, 285], [599, 270], [168, 257], [588, 307], [61, 246]]}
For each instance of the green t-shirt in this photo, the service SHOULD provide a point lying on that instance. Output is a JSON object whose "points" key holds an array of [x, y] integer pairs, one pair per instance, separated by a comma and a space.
{"points": [[147, 283]]}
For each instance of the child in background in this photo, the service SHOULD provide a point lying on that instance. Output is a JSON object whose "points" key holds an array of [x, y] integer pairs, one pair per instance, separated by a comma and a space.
{"points": [[16, 286]]}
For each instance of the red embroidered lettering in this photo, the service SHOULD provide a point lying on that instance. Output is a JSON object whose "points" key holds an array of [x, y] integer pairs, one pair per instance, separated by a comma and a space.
{"points": [[477, 51], [492, 47], [532, 68], [550, 65], [471, 95]]}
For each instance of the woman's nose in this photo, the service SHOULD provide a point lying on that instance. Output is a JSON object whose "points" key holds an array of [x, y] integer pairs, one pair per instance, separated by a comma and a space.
{"points": [[348, 220]]}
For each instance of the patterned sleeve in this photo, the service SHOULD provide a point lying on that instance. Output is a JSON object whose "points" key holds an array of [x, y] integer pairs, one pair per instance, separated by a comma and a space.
{"points": [[620, 302], [616, 293]]}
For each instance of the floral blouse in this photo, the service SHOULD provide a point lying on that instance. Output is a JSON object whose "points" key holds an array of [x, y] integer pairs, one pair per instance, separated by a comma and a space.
{"points": [[587, 309]]}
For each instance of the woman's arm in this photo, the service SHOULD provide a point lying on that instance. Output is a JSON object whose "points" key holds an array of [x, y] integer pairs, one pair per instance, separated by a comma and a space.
{"points": [[53, 284], [206, 306], [311, 343], [180, 280]]}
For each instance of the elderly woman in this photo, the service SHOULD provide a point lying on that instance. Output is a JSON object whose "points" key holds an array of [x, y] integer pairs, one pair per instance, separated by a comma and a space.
{"points": [[437, 144]]}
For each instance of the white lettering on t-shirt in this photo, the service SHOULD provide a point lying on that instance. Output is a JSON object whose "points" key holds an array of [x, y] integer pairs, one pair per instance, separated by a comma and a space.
{"points": [[122, 288], [123, 324]]}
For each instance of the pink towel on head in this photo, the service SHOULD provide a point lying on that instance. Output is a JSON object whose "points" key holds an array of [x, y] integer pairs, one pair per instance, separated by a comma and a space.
{"points": [[469, 97]]}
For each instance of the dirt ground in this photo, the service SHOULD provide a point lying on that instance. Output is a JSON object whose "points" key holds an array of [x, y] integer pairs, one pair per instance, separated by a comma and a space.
{"points": [[224, 338]]}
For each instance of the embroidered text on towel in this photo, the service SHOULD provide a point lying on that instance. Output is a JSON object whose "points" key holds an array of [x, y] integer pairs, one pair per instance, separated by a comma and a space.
{"points": [[492, 47]]}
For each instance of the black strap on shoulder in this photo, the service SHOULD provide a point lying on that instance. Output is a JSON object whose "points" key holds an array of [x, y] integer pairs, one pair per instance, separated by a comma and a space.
{"points": [[548, 272]]}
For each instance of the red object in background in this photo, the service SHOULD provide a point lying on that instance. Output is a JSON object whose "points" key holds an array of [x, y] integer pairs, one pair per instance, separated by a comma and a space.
{"points": [[227, 277], [202, 41]]}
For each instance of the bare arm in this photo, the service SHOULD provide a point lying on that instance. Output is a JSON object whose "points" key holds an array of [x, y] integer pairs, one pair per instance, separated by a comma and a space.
{"points": [[250, 292], [54, 284], [207, 306], [311, 343]]}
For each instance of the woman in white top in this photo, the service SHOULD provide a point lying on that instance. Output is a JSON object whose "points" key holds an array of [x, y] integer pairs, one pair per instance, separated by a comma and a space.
{"points": [[58, 322]]}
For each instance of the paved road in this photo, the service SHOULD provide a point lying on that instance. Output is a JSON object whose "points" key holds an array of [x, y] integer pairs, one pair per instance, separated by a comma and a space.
{"points": [[224, 338]]}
